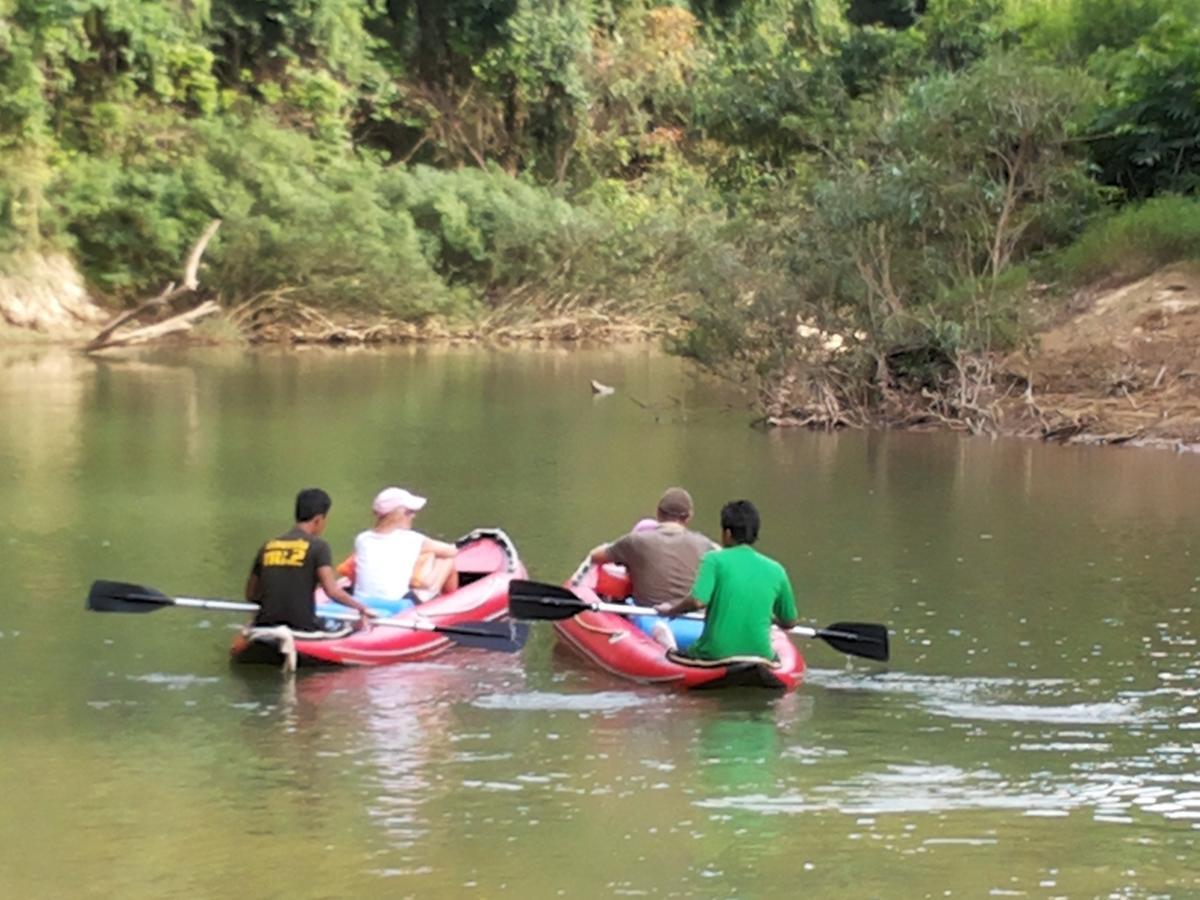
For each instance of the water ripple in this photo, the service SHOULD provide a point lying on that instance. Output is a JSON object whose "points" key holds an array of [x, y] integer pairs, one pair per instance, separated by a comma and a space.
{"points": [[173, 682], [602, 701]]}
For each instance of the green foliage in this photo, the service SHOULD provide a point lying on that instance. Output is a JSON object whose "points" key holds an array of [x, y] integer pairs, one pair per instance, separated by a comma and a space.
{"points": [[537, 70], [970, 173], [22, 136], [1135, 240], [1147, 134], [912, 251], [771, 87], [888, 13], [485, 228], [326, 227], [1073, 31], [641, 81], [959, 32], [873, 58], [258, 35]]}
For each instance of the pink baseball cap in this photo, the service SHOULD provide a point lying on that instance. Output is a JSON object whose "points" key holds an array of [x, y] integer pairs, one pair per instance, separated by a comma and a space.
{"points": [[646, 525], [391, 499]]}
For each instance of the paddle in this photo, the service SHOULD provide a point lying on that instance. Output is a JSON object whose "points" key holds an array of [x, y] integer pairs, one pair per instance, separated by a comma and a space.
{"points": [[116, 596], [549, 602]]}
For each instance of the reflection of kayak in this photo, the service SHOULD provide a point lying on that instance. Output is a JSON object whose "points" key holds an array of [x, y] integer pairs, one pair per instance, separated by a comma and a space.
{"points": [[615, 643], [487, 561]]}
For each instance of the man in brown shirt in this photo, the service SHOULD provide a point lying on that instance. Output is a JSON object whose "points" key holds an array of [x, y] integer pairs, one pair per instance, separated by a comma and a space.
{"points": [[662, 562]]}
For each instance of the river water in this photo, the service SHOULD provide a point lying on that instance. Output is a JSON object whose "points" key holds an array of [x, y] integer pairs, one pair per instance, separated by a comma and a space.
{"points": [[1037, 733]]}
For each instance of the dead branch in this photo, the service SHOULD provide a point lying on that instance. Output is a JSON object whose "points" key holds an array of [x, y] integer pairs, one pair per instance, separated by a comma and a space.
{"points": [[174, 325], [191, 283]]}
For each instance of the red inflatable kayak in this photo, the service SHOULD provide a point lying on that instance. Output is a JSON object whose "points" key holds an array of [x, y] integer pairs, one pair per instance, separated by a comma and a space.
{"points": [[615, 643], [487, 561]]}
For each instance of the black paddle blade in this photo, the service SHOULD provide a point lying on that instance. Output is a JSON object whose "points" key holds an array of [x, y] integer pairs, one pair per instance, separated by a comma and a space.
{"points": [[117, 596], [505, 637], [540, 601], [863, 639]]}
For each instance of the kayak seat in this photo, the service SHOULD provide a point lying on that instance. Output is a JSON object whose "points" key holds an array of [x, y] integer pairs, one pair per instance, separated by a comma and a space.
{"points": [[686, 631]]}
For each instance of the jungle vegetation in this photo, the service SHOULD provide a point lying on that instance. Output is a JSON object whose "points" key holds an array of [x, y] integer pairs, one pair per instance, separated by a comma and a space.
{"points": [[769, 173]]}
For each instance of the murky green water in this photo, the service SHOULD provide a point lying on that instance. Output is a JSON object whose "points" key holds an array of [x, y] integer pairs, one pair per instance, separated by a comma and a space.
{"points": [[1037, 733]]}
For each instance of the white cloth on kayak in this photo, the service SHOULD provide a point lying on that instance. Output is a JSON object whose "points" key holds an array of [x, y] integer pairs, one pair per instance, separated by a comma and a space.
{"points": [[384, 563], [281, 636], [662, 633], [284, 639]]}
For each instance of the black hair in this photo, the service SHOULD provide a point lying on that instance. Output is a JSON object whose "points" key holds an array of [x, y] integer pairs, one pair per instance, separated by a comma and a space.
{"points": [[740, 519], [310, 503]]}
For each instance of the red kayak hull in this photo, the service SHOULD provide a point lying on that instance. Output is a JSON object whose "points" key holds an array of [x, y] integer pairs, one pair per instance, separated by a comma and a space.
{"points": [[487, 561], [616, 645]]}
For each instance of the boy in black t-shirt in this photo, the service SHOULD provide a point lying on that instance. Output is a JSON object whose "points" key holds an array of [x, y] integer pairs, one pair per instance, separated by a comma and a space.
{"points": [[288, 569]]}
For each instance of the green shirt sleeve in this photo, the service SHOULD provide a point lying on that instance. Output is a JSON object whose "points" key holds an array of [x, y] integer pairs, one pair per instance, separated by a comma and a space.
{"points": [[706, 579], [785, 601]]}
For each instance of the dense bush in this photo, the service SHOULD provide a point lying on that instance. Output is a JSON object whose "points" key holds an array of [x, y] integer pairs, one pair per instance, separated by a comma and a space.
{"points": [[293, 216], [1147, 135], [1135, 240]]}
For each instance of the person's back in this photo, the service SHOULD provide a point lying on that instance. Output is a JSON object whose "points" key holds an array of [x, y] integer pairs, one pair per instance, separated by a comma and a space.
{"points": [[384, 563], [287, 577], [662, 563], [661, 560], [743, 592], [287, 570], [394, 562]]}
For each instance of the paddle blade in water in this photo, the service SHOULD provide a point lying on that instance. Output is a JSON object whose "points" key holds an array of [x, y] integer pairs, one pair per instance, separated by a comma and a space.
{"points": [[505, 637], [118, 596], [864, 639], [537, 600]]}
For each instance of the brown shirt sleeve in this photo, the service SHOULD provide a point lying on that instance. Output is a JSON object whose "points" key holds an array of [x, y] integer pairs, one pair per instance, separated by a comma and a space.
{"points": [[623, 550]]}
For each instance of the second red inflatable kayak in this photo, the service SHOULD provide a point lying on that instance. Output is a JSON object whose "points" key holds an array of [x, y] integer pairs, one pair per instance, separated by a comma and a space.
{"points": [[615, 643]]}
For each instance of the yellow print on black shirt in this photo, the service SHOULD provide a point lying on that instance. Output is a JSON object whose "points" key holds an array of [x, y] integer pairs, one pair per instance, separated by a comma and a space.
{"points": [[285, 553]]}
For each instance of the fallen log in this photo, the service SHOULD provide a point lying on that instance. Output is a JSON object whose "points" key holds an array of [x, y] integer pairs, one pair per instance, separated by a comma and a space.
{"points": [[184, 321]]}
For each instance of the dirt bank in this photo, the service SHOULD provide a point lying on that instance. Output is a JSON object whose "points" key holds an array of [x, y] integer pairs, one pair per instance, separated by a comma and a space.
{"points": [[1122, 365], [44, 296]]}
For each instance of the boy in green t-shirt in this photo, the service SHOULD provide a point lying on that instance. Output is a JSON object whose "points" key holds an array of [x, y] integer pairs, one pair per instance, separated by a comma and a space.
{"points": [[742, 590]]}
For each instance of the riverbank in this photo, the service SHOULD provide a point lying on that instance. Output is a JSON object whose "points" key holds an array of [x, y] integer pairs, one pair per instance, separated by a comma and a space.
{"points": [[298, 324], [1112, 364], [1121, 367]]}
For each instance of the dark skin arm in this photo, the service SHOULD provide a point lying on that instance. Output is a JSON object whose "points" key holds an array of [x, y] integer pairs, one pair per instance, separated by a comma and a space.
{"points": [[328, 579], [687, 605], [334, 591]]}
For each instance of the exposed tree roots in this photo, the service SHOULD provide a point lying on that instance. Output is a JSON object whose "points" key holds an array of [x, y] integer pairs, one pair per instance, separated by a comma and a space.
{"points": [[277, 317], [980, 396]]}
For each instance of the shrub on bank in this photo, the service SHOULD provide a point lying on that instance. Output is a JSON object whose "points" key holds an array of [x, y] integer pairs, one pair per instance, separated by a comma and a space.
{"points": [[1135, 240], [338, 228]]}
